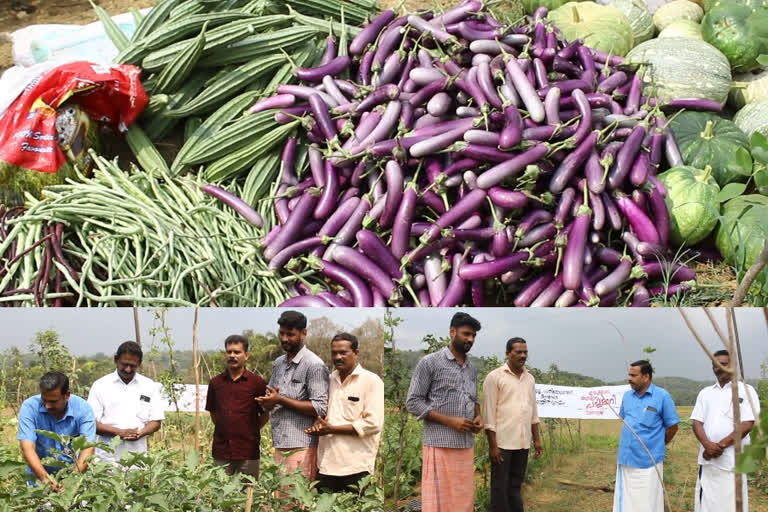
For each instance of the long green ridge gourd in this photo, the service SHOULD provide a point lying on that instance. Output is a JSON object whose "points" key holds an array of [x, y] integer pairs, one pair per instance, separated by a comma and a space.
{"points": [[739, 31], [742, 234], [677, 67], [753, 118], [706, 139], [639, 17], [692, 203], [602, 27], [677, 10]]}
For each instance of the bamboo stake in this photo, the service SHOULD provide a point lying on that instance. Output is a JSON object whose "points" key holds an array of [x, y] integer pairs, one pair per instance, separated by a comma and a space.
{"points": [[196, 364], [738, 343], [136, 325], [249, 498], [749, 277], [736, 412]]}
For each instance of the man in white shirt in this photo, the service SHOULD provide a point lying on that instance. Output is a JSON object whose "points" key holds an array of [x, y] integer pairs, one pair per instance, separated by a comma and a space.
{"points": [[125, 404], [713, 426]]}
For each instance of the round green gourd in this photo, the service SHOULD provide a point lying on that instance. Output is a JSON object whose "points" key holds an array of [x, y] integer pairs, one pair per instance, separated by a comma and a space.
{"points": [[602, 27], [639, 17], [706, 139], [753, 117], [742, 234], [754, 4], [733, 29], [676, 67], [682, 28], [692, 203], [677, 10], [749, 88], [531, 5]]}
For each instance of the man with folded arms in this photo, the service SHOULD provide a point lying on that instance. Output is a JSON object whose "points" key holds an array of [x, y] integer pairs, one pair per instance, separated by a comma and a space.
{"points": [[126, 405], [713, 426], [511, 423], [350, 434], [297, 394], [443, 393]]}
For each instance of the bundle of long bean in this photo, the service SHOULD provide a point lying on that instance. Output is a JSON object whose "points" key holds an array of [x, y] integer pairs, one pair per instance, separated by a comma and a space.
{"points": [[139, 238]]}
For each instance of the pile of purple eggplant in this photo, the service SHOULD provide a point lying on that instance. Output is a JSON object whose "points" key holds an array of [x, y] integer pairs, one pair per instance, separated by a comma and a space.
{"points": [[458, 161]]}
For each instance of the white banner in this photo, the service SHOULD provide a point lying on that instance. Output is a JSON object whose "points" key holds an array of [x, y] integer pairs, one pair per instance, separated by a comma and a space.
{"points": [[579, 403], [186, 398]]}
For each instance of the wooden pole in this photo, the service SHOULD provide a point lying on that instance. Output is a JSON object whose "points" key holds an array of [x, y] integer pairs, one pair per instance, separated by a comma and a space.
{"points": [[736, 410], [136, 325], [196, 363], [738, 345]]}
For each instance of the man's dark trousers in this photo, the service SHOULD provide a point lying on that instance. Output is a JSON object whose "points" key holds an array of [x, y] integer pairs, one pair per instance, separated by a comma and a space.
{"points": [[506, 481]]}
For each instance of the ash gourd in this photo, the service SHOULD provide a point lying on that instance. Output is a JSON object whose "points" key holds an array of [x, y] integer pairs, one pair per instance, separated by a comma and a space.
{"points": [[475, 151]]}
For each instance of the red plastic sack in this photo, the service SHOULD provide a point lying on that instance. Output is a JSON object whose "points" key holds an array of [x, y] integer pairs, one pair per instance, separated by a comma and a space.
{"points": [[112, 95]]}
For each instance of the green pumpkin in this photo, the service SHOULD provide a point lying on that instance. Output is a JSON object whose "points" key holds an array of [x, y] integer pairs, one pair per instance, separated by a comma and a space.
{"points": [[754, 4], [742, 234], [692, 203], [639, 18], [753, 118], [739, 31], [682, 28], [749, 88], [708, 140], [531, 5], [677, 67], [602, 27], [677, 10]]}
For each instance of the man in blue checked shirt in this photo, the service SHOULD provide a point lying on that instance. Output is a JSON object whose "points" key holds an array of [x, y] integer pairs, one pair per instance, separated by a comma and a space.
{"points": [[57, 410], [649, 414]]}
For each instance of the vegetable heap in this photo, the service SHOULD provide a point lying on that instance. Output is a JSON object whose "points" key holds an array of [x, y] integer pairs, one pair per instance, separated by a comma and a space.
{"points": [[450, 153]]}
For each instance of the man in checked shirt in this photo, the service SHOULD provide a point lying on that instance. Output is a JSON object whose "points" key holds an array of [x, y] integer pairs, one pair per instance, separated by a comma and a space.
{"points": [[297, 394], [443, 393]]}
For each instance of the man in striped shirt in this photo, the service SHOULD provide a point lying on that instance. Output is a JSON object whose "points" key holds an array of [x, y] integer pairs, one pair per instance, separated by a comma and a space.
{"points": [[443, 393], [511, 423], [297, 394]]}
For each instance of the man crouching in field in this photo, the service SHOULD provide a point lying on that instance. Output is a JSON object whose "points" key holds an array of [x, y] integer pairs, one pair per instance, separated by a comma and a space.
{"points": [[57, 410], [511, 423], [443, 393], [713, 426], [648, 413]]}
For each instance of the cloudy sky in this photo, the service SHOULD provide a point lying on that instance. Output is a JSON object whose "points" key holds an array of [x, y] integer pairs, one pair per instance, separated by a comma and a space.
{"points": [[595, 342]]}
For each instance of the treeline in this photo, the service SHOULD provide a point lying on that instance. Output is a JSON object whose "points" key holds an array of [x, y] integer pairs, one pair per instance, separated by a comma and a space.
{"points": [[20, 371]]}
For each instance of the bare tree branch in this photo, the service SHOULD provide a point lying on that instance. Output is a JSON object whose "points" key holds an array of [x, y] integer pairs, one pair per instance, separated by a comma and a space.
{"points": [[749, 277], [701, 343], [717, 327]]}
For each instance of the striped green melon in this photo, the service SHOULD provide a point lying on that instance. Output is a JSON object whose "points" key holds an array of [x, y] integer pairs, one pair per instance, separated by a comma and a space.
{"points": [[677, 10], [753, 118], [682, 28], [749, 88], [692, 203], [639, 18], [676, 68], [602, 27]]}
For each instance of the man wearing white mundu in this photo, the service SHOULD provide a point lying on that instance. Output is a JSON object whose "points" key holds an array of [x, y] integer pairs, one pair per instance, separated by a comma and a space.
{"points": [[713, 426], [649, 414]]}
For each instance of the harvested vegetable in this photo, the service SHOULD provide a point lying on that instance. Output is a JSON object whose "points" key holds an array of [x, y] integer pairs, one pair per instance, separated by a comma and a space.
{"points": [[692, 203]]}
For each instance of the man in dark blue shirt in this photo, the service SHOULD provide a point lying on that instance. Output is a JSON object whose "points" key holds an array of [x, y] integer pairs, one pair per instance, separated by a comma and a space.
{"points": [[57, 410], [650, 423]]}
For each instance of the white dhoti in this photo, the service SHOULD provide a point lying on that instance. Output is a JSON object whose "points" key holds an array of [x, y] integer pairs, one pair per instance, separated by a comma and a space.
{"points": [[716, 490], [639, 489]]}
